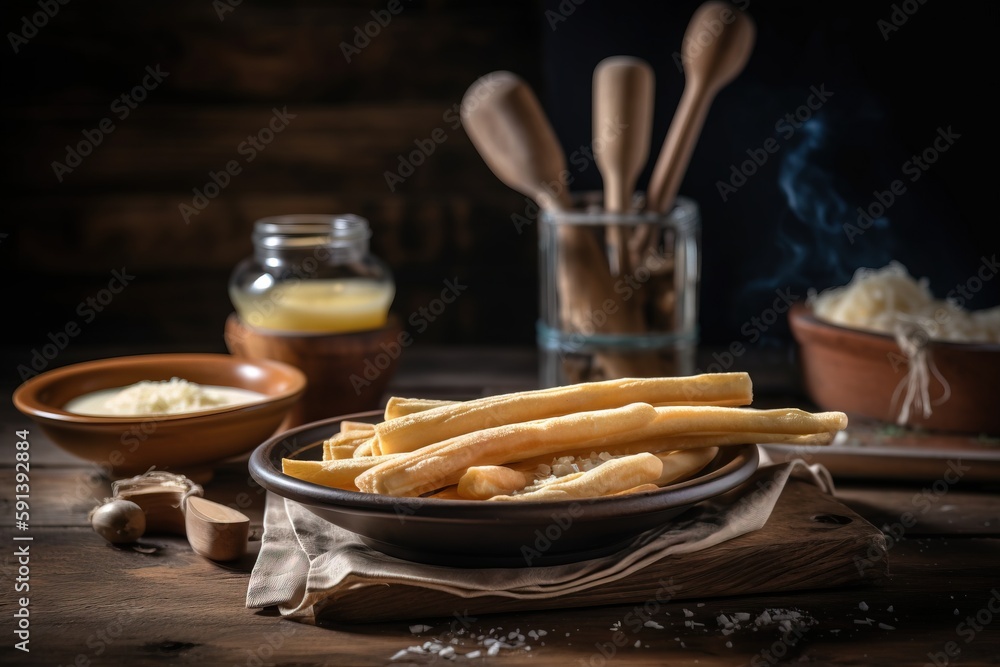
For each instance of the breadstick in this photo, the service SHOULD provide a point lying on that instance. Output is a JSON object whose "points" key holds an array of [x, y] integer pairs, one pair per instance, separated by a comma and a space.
{"points": [[720, 422], [707, 418], [687, 441], [338, 452], [610, 477], [338, 474], [642, 488], [366, 448], [348, 426], [677, 466], [400, 407], [483, 482], [565, 478], [410, 432], [434, 466], [680, 465], [342, 445]]}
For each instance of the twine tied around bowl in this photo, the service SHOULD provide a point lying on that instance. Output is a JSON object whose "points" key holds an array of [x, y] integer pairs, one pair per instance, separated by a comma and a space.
{"points": [[912, 337]]}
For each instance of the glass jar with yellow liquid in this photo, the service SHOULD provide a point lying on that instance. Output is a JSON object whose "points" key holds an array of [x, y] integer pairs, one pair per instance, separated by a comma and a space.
{"points": [[312, 274]]}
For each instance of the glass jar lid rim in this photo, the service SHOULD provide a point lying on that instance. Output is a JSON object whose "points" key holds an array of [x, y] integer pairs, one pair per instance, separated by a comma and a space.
{"points": [[296, 229], [587, 210]]}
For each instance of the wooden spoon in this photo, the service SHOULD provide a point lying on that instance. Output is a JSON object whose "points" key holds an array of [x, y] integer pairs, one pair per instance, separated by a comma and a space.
{"points": [[215, 531], [508, 127], [623, 120], [717, 45]]}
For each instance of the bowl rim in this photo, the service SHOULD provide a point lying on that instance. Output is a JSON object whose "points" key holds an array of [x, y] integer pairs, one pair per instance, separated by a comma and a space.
{"points": [[743, 461], [801, 316], [25, 396]]}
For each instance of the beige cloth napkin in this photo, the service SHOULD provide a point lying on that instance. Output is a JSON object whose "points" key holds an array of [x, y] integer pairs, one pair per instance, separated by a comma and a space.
{"points": [[305, 562]]}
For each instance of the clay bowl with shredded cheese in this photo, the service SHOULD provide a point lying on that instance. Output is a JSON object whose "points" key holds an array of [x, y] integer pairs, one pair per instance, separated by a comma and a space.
{"points": [[946, 386], [479, 533], [181, 413]]}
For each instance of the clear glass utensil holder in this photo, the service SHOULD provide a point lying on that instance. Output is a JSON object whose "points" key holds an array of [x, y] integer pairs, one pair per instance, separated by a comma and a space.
{"points": [[618, 292]]}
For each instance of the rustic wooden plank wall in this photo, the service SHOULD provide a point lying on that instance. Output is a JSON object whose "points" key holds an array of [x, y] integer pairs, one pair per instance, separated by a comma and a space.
{"points": [[229, 66]]}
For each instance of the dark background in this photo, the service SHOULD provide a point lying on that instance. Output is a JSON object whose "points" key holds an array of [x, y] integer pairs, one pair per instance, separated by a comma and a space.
{"points": [[782, 230]]}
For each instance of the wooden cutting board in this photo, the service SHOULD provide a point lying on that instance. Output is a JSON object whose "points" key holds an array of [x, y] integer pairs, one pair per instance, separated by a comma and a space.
{"points": [[810, 541]]}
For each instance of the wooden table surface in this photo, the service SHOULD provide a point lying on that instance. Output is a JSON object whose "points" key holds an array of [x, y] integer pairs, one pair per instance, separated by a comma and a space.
{"points": [[93, 604]]}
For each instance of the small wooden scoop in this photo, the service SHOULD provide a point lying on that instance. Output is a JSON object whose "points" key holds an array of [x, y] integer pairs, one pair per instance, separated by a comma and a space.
{"points": [[215, 531]]}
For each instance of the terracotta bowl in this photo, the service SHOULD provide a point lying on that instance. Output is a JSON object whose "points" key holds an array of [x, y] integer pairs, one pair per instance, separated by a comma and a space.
{"points": [[346, 372], [865, 373], [186, 443]]}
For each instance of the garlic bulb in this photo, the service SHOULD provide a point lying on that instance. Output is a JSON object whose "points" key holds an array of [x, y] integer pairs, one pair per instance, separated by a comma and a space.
{"points": [[118, 521]]}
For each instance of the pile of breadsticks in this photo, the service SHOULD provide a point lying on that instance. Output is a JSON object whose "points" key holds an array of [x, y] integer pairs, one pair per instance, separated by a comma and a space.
{"points": [[578, 441]]}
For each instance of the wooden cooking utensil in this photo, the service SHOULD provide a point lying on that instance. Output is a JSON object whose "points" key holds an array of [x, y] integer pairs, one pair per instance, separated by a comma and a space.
{"points": [[215, 531], [508, 127], [730, 35], [623, 120]]}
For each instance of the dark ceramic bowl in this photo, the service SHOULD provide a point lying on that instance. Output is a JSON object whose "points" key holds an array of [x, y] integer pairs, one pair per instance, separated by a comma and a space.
{"points": [[861, 373], [464, 533]]}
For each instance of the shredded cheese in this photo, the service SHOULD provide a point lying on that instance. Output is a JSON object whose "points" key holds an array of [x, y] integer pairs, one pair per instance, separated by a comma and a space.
{"points": [[163, 398], [889, 299]]}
